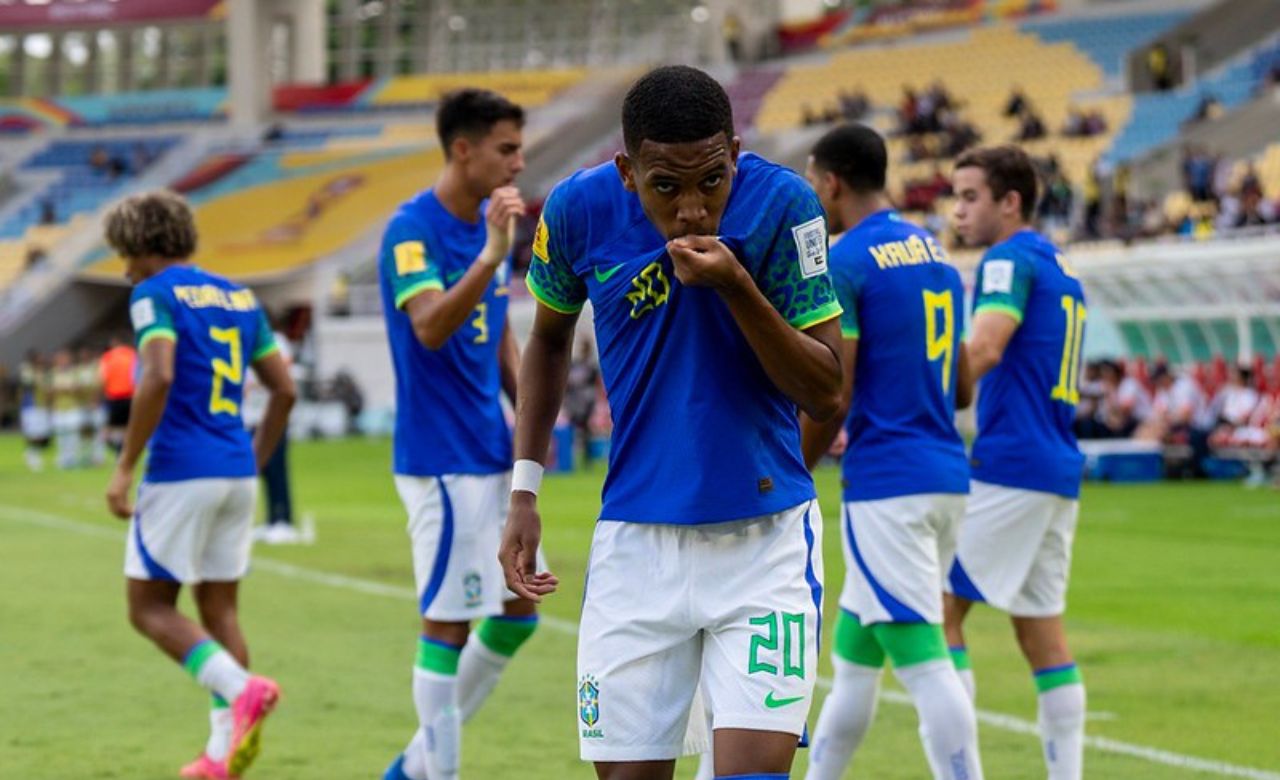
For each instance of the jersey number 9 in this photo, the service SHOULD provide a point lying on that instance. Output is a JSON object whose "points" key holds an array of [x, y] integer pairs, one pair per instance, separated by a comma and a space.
{"points": [[940, 338]]}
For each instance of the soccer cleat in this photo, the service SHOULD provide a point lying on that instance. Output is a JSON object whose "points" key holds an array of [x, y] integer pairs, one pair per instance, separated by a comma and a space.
{"points": [[396, 770], [248, 712], [205, 768]]}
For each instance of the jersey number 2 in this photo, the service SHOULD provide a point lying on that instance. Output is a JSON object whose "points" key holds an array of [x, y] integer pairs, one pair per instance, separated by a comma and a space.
{"points": [[1068, 388], [940, 341], [231, 370]]}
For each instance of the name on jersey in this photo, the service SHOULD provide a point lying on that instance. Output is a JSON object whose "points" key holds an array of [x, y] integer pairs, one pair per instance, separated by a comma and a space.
{"points": [[912, 251], [208, 296]]}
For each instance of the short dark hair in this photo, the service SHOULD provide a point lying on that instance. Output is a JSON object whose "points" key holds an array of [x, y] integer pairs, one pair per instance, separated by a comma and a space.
{"points": [[473, 112], [152, 224], [856, 155], [1008, 169], [675, 104]]}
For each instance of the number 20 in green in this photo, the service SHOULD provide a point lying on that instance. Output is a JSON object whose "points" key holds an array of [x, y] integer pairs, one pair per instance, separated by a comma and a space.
{"points": [[792, 651], [1068, 387]]}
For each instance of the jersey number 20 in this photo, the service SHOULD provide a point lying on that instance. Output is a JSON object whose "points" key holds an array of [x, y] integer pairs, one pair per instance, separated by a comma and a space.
{"points": [[1068, 388], [231, 370], [940, 340]]}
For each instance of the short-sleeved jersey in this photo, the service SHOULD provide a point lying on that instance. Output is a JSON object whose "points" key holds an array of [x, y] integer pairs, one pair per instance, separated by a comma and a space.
{"points": [[1026, 404], [219, 332], [701, 434], [449, 416], [904, 303]]}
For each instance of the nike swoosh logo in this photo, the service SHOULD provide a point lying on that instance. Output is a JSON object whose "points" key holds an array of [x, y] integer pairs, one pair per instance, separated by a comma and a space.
{"points": [[774, 704], [607, 275]]}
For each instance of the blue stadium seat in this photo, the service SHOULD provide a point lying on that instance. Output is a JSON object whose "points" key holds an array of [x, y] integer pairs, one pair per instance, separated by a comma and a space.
{"points": [[1105, 40]]}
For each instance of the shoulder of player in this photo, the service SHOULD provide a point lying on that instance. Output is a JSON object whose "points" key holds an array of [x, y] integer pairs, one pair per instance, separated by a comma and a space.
{"points": [[771, 182]]}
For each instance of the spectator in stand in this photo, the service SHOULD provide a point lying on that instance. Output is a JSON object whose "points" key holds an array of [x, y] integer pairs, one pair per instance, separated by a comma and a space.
{"points": [[48, 211], [1031, 126], [1210, 108], [1126, 403], [1055, 206], [1089, 410], [1159, 68], [1073, 127], [1233, 406], [853, 105], [1016, 103], [1198, 172], [808, 116], [909, 111], [1177, 410]]}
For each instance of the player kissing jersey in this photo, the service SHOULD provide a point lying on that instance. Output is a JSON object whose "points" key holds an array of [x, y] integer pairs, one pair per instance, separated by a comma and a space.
{"points": [[449, 416], [219, 330], [902, 301], [1026, 404], [701, 435]]}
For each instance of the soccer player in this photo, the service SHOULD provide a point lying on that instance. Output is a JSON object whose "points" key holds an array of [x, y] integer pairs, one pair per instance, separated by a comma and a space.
{"points": [[444, 273], [117, 367], [905, 470], [1014, 549], [197, 334], [33, 379], [715, 320], [64, 400], [92, 413]]}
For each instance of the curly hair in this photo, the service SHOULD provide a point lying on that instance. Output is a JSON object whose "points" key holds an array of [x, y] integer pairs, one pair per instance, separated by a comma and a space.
{"points": [[152, 224]]}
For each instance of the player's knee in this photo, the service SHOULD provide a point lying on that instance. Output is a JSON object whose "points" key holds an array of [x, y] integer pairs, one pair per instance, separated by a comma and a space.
{"points": [[504, 634], [147, 618], [908, 644]]}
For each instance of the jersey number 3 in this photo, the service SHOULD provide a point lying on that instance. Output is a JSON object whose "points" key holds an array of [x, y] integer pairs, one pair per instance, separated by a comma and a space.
{"points": [[1068, 388], [940, 338], [231, 370]]}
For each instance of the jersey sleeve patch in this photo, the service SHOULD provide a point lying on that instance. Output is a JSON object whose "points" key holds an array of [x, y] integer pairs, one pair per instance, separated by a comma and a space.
{"points": [[551, 278], [143, 314], [406, 264], [1003, 285], [811, 247], [997, 276]]}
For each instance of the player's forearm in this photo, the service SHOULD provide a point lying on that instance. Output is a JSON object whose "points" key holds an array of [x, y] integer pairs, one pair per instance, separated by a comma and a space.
{"points": [[144, 416], [816, 437], [272, 428], [805, 369], [434, 324], [509, 365], [544, 374]]}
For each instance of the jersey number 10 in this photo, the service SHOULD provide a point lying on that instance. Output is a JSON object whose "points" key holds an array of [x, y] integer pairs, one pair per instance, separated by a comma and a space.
{"points": [[940, 341], [1068, 388], [231, 370]]}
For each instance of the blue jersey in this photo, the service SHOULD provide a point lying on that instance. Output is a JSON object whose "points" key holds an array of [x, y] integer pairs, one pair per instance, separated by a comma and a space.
{"points": [[219, 331], [701, 434], [1027, 403], [904, 304], [449, 416]]}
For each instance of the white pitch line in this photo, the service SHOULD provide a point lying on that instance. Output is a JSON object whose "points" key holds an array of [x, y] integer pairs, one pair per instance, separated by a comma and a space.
{"points": [[996, 720]]}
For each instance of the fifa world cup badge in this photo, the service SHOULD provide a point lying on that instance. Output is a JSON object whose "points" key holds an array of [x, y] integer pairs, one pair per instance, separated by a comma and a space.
{"points": [[589, 706]]}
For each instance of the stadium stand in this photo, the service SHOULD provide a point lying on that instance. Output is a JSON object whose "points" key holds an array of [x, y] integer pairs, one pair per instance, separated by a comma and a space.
{"points": [[1107, 40]]}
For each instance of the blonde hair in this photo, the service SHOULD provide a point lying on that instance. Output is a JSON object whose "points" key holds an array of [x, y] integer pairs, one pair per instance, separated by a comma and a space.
{"points": [[152, 224]]}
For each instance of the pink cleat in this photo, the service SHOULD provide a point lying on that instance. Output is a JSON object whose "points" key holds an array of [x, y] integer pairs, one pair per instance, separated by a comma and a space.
{"points": [[248, 712], [205, 768]]}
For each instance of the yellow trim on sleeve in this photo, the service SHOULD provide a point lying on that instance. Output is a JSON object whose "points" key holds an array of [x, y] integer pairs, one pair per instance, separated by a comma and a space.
{"points": [[412, 290], [849, 333], [818, 316], [157, 333], [269, 349], [545, 299], [999, 308]]}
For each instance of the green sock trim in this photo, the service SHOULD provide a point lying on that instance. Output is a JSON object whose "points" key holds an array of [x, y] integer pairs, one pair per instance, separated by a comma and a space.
{"points": [[960, 658], [505, 635], [199, 655], [438, 657], [856, 643], [1048, 679], [218, 703], [908, 644]]}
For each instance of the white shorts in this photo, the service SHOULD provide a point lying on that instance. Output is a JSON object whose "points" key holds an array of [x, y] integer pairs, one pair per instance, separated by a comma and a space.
{"points": [[731, 607], [68, 421], [1014, 550], [897, 552], [455, 527], [36, 423], [195, 530]]}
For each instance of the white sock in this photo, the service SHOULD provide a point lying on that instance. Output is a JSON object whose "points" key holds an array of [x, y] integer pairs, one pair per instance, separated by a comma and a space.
{"points": [[415, 757], [436, 698], [216, 670], [478, 671], [947, 722], [220, 723], [846, 715], [1061, 716]]}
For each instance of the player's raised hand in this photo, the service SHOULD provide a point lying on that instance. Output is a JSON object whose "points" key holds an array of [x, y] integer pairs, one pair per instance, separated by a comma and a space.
{"points": [[505, 207], [118, 493], [704, 261], [519, 551]]}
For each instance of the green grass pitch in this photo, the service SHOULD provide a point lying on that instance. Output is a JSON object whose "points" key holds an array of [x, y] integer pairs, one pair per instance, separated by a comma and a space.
{"points": [[1174, 617]]}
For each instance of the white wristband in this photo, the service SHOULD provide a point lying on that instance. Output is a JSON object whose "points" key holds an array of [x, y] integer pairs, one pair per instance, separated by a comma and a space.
{"points": [[526, 475]]}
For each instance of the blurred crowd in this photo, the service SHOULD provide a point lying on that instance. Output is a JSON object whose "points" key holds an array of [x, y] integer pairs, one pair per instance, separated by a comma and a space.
{"points": [[1214, 409]]}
